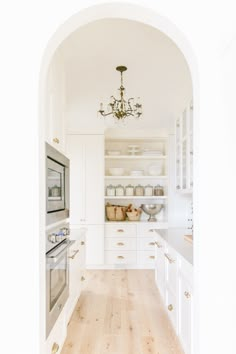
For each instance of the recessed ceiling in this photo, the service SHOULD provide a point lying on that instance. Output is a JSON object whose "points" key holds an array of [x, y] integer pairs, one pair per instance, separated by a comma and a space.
{"points": [[157, 72]]}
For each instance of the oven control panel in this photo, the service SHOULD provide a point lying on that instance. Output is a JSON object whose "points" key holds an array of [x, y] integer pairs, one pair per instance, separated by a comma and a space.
{"points": [[56, 235]]}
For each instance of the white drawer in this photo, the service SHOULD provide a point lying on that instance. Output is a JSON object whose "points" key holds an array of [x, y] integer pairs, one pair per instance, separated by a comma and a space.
{"points": [[120, 257], [146, 243], [120, 243], [146, 257], [146, 229], [171, 307], [120, 229], [186, 269]]}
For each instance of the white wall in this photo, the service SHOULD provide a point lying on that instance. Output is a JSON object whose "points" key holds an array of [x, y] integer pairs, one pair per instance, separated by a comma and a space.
{"points": [[25, 29]]}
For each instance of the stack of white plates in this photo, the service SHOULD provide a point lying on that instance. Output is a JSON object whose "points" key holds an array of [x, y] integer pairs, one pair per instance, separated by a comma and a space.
{"points": [[136, 173], [152, 152], [133, 149]]}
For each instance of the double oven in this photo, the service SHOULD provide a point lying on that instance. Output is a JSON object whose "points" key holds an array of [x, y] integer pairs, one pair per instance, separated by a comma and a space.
{"points": [[57, 234]]}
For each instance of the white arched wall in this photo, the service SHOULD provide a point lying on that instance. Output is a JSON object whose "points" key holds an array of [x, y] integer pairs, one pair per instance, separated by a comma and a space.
{"points": [[116, 10]]}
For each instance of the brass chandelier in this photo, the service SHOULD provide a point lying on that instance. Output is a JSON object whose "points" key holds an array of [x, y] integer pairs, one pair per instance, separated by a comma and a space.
{"points": [[121, 108]]}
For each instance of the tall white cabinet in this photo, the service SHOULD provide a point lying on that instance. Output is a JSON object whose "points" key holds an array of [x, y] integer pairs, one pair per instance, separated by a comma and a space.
{"points": [[86, 154]]}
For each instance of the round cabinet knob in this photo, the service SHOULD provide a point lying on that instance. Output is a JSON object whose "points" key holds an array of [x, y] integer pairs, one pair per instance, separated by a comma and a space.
{"points": [[82, 278], [57, 141], [52, 237], [170, 307], [187, 294], [82, 243]]}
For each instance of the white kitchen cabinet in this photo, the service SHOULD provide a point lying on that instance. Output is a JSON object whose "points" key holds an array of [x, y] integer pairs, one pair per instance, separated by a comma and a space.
{"points": [[57, 336], [184, 151], [77, 266], [160, 265], [86, 178], [94, 246], [55, 105]]}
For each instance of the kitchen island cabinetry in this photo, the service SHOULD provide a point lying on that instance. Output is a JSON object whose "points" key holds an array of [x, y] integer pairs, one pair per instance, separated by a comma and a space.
{"points": [[174, 279]]}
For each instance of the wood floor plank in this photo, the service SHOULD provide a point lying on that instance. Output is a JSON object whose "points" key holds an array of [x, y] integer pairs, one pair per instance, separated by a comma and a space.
{"points": [[120, 312]]}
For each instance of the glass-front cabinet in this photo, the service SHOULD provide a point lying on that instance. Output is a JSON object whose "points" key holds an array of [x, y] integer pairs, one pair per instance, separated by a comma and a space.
{"points": [[184, 150]]}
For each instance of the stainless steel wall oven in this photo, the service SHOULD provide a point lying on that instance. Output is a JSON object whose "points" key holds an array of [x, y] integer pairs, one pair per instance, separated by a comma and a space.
{"points": [[57, 185]]}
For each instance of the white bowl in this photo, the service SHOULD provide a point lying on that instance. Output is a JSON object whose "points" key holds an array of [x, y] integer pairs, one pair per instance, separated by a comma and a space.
{"points": [[116, 171], [136, 173], [155, 170]]}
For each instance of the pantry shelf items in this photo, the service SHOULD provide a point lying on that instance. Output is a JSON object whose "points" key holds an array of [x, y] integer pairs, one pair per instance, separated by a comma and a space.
{"points": [[137, 172]]}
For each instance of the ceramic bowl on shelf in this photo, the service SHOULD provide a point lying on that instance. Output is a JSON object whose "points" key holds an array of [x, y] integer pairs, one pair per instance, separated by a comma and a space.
{"points": [[116, 171]]}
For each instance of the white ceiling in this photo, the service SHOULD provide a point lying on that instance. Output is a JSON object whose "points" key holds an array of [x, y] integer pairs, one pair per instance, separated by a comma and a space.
{"points": [[157, 72]]}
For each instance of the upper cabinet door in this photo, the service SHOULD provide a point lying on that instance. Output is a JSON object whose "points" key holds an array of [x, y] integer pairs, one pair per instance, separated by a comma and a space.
{"points": [[86, 178], [55, 105], [184, 151]]}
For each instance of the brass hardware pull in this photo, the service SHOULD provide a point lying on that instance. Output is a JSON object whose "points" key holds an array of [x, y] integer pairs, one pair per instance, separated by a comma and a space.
{"points": [[120, 257], [169, 259], [151, 243], [170, 307], [82, 278], [187, 294], [152, 257], [75, 253], [120, 230], [55, 348], [158, 245], [82, 243], [56, 140], [120, 244]]}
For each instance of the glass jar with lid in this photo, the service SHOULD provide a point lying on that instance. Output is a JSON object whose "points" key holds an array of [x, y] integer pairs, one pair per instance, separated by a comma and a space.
{"points": [[120, 190], [158, 190], [148, 190], [129, 190], [139, 190], [111, 190]]}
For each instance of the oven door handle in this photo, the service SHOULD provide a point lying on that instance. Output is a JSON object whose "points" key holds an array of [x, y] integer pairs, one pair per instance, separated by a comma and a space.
{"points": [[59, 252]]}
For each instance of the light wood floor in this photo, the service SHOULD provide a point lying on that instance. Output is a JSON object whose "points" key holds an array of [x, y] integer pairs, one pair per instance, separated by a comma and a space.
{"points": [[120, 312]]}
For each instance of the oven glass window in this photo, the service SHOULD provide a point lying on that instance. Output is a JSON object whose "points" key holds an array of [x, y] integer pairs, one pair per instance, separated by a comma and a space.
{"points": [[58, 281], [54, 185]]}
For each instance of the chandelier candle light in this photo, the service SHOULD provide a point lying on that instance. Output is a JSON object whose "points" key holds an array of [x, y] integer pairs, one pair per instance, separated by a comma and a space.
{"points": [[120, 108]]}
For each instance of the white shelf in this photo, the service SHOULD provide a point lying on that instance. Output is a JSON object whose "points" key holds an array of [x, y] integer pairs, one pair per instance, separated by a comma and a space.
{"points": [[136, 197], [136, 157], [135, 177]]}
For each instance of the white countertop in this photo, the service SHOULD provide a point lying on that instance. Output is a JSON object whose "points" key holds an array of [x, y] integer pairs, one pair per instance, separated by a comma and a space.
{"points": [[175, 238]]}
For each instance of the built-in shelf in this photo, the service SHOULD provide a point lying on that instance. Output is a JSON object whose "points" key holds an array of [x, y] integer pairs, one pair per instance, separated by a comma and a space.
{"points": [[135, 157], [136, 197], [135, 177]]}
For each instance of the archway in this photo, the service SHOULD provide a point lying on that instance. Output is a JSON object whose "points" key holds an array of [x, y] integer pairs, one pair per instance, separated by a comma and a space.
{"points": [[122, 11]]}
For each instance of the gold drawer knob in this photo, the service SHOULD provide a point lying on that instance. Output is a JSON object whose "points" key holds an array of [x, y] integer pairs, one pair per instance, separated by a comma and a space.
{"points": [[82, 243], [152, 257], [120, 244], [55, 348], [82, 278], [170, 307], [120, 257], [151, 243], [120, 230], [56, 140], [187, 294]]}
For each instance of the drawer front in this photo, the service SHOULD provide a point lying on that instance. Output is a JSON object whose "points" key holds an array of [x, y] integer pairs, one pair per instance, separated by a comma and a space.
{"points": [[146, 243], [120, 229], [171, 261], [186, 269], [146, 257], [120, 243], [146, 229], [120, 257], [171, 307]]}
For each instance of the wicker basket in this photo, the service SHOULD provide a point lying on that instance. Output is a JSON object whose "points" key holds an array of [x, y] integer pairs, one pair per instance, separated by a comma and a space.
{"points": [[115, 212], [134, 215]]}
